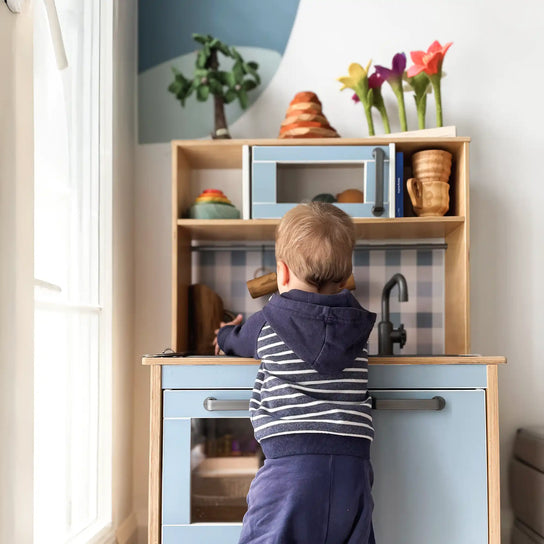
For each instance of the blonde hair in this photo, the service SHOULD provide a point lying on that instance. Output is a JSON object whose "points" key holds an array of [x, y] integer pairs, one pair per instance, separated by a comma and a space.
{"points": [[316, 241]]}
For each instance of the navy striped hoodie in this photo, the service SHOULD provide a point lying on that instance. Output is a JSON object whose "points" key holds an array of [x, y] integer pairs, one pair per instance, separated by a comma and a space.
{"points": [[310, 394]]}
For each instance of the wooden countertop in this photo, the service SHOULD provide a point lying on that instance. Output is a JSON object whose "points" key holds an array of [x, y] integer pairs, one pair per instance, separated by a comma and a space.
{"points": [[394, 360]]}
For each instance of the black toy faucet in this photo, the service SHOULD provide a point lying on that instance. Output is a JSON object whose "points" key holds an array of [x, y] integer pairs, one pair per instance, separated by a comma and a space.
{"points": [[387, 335]]}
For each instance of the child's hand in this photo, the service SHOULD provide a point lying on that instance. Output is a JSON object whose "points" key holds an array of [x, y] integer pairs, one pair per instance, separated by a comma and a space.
{"points": [[236, 321]]}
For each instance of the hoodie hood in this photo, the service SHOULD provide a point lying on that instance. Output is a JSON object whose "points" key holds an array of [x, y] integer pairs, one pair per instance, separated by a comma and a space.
{"points": [[325, 331]]}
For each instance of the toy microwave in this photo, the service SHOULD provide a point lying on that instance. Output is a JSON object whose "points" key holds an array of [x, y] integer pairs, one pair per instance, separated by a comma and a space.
{"points": [[358, 179]]}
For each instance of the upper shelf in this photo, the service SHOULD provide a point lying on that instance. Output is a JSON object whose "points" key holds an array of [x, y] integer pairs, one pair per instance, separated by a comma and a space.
{"points": [[379, 229], [227, 154]]}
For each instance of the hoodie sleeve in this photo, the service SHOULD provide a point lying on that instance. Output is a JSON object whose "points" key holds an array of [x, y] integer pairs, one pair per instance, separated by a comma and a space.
{"points": [[241, 340]]}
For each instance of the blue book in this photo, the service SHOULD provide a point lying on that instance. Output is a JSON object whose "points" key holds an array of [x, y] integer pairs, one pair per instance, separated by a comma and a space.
{"points": [[399, 184]]}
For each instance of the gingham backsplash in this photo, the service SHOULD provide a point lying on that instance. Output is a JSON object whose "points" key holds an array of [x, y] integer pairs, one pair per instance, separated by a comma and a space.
{"points": [[226, 272]]}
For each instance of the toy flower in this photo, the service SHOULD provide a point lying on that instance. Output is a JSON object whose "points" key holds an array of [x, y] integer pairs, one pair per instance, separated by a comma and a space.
{"points": [[421, 86], [430, 62], [375, 82], [358, 81], [393, 76]]}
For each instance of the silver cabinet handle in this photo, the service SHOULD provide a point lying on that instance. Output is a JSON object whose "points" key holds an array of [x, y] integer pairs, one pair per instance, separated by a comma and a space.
{"points": [[436, 404], [379, 156], [213, 405]]}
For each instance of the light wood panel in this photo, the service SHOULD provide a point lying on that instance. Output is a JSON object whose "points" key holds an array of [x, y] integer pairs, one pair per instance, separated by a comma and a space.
{"points": [[457, 289], [181, 279], [493, 456], [404, 360], [155, 454], [406, 228]]}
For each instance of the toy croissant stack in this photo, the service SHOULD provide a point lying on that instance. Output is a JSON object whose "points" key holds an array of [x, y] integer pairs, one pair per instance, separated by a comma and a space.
{"points": [[305, 119]]}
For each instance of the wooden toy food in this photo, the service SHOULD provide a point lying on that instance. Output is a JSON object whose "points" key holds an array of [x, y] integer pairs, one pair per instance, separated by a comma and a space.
{"points": [[305, 119], [350, 195]]}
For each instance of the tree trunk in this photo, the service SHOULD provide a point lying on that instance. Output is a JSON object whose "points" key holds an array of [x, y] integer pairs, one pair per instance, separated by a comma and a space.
{"points": [[221, 131]]}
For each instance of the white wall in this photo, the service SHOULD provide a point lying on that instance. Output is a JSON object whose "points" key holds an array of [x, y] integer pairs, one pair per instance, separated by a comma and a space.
{"points": [[16, 277], [491, 93]]}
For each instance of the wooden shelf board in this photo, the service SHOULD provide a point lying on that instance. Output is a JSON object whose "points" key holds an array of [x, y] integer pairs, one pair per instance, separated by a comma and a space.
{"points": [[226, 154], [410, 360], [367, 229]]}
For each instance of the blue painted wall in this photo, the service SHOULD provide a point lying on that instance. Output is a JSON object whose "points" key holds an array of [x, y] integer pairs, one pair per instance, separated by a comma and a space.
{"points": [[259, 30]]}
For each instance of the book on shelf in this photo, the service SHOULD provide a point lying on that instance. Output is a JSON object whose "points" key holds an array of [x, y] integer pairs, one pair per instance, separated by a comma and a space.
{"points": [[399, 184]]}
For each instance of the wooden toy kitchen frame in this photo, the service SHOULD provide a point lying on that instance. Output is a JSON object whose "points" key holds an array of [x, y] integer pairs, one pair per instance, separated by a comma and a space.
{"points": [[437, 469]]}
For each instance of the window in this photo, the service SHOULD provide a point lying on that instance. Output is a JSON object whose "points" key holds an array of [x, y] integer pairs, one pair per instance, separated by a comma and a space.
{"points": [[73, 242]]}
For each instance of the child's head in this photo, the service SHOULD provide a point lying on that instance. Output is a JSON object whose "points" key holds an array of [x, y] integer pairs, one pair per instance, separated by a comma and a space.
{"points": [[315, 241]]}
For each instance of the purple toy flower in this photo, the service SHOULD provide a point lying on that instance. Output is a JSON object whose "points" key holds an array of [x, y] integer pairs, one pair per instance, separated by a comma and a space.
{"points": [[375, 81], [355, 98], [393, 76], [397, 71]]}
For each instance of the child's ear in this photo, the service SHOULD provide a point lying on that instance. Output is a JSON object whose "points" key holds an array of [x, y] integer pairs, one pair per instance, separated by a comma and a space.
{"points": [[282, 272]]}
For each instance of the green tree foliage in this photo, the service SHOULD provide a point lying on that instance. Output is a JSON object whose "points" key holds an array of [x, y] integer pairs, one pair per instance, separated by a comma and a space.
{"points": [[209, 79]]}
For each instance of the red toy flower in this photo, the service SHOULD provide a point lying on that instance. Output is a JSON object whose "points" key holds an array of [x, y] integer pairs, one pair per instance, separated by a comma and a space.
{"points": [[429, 62]]}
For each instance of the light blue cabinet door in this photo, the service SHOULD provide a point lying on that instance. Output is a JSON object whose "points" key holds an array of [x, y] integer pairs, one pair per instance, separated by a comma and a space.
{"points": [[430, 470]]}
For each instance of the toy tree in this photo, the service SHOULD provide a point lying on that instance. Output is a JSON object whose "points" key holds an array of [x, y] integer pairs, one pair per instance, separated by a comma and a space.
{"points": [[209, 79]]}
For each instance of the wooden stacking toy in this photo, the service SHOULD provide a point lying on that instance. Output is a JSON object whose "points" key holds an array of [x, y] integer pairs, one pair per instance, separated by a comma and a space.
{"points": [[305, 119], [213, 204]]}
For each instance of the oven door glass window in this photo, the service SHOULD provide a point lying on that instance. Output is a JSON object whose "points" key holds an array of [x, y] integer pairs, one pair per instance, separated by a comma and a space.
{"points": [[224, 460]]}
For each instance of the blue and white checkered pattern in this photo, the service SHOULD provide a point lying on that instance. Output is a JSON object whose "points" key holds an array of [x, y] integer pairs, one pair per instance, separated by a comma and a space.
{"points": [[226, 272]]}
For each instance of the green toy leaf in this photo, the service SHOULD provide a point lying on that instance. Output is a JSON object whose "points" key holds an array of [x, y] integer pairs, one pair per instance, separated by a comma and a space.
{"points": [[201, 59], [242, 98], [175, 87], [249, 85], [230, 79], [202, 93], [215, 87], [238, 72], [251, 68], [236, 55], [223, 48], [230, 95], [200, 38], [201, 72], [221, 77]]}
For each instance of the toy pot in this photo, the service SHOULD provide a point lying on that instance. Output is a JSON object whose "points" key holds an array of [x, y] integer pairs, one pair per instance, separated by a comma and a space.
{"points": [[429, 198], [432, 165]]}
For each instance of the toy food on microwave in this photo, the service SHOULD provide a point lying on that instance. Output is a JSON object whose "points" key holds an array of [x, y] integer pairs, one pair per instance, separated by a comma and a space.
{"points": [[284, 176]]}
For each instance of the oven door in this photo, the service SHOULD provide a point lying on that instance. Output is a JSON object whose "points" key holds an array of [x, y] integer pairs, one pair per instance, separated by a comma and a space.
{"points": [[210, 457]]}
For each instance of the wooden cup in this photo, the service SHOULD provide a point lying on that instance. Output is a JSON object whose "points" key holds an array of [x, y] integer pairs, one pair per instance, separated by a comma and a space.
{"points": [[432, 165], [429, 198]]}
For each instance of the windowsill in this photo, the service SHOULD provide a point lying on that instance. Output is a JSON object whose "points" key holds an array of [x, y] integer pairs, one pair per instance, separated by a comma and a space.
{"points": [[98, 533]]}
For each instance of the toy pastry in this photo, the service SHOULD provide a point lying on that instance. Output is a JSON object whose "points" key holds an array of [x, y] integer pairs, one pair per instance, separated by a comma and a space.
{"points": [[305, 119]]}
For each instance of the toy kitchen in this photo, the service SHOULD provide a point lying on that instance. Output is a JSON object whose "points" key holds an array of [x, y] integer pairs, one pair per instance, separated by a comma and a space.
{"points": [[435, 405]]}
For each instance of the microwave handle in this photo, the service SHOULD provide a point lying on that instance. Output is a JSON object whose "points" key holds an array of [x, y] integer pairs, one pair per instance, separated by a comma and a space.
{"points": [[213, 405], [379, 156]]}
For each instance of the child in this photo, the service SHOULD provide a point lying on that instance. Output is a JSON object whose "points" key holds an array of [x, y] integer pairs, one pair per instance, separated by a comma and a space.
{"points": [[310, 408]]}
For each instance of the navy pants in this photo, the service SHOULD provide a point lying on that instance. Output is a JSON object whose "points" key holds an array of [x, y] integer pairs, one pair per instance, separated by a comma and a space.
{"points": [[310, 499]]}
